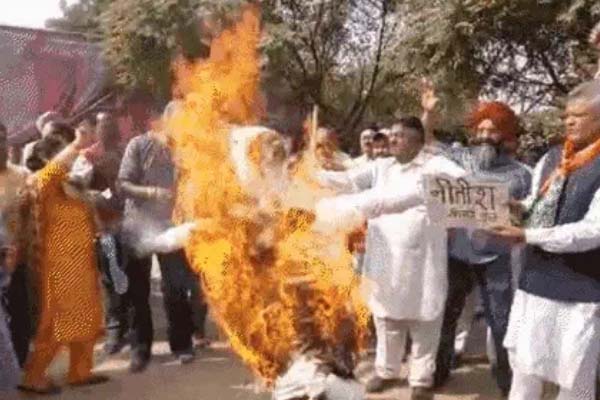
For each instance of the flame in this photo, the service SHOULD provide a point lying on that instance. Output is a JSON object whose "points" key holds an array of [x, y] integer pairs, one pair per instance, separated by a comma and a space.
{"points": [[271, 280]]}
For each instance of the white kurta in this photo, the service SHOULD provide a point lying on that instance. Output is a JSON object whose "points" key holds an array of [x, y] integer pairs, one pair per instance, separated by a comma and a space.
{"points": [[406, 253], [547, 338], [550, 339]]}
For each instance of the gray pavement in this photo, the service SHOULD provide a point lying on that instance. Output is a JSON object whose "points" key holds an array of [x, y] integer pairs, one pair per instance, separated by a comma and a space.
{"points": [[217, 374]]}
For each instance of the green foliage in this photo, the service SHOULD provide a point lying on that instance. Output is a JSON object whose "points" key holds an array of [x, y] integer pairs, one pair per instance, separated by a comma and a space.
{"points": [[360, 61], [528, 52], [141, 38], [82, 17]]}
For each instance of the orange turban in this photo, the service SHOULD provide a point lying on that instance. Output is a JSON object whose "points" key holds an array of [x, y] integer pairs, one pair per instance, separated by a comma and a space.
{"points": [[501, 115]]}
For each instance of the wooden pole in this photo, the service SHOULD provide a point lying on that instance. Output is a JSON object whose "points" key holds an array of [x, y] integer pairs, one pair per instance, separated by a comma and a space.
{"points": [[315, 120]]}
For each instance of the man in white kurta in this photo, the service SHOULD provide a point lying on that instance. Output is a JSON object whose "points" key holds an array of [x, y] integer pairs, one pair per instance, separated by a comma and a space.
{"points": [[554, 329], [406, 256], [366, 147]]}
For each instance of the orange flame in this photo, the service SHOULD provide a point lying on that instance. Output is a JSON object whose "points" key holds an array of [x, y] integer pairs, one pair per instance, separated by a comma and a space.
{"points": [[252, 254]]}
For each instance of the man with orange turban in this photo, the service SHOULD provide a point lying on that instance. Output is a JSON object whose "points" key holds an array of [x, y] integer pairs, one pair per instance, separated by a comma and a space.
{"points": [[474, 257]]}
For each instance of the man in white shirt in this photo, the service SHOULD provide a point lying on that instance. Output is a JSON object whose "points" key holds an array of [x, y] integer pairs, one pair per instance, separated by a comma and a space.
{"points": [[366, 147], [554, 329], [406, 253]]}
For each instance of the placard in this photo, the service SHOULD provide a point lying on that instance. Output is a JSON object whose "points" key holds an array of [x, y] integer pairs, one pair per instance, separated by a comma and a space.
{"points": [[466, 202]]}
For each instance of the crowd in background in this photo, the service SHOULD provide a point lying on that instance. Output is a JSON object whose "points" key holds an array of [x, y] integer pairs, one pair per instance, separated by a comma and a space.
{"points": [[75, 207]]}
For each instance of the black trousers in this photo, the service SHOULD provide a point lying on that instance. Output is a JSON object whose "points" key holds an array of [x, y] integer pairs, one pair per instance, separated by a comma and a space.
{"points": [[177, 284], [20, 313], [495, 281], [199, 306], [115, 305]]}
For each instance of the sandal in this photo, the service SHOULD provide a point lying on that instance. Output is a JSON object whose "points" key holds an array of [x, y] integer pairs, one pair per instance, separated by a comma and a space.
{"points": [[91, 381], [49, 390]]}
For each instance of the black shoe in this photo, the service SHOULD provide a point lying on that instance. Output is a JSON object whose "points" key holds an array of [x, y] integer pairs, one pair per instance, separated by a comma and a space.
{"points": [[186, 356], [421, 393], [114, 345], [440, 379], [377, 384], [139, 363]]}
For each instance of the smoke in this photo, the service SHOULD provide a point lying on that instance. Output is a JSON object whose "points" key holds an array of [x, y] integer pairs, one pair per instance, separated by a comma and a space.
{"points": [[167, 241]]}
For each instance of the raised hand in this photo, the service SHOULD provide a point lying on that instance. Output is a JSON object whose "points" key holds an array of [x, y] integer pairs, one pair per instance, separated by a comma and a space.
{"points": [[429, 98]]}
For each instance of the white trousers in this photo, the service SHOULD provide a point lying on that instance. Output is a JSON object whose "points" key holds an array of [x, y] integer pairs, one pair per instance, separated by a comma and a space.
{"points": [[391, 343], [530, 387]]}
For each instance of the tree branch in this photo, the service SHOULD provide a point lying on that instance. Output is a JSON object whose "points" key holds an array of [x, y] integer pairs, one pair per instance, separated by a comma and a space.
{"points": [[355, 119], [548, 66]]}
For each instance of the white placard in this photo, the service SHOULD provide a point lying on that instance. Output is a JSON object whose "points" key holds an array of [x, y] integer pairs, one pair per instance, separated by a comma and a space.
{"points": [[466, 202]]}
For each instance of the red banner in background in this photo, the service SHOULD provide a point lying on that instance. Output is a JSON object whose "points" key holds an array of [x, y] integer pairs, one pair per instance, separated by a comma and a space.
{"points": [[44, 70]]}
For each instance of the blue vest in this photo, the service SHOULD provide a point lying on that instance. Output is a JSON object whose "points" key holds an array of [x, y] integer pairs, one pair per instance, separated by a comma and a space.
{"points": [[568, 277]]}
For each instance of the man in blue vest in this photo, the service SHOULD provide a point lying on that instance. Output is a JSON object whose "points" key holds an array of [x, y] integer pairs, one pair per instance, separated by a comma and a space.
{"points": [[554, 329]]}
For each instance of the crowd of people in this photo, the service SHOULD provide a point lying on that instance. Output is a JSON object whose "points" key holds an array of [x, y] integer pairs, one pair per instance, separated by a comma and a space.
{"points": [[536, 278], [74, 210], [76, 207]]}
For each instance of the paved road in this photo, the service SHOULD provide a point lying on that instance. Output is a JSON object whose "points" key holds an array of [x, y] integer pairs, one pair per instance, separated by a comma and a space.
{"points": [[217, 375]]}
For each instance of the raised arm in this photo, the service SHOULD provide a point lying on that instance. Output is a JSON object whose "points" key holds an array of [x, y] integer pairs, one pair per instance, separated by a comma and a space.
{"points": [[350, 181], [429, 102]]}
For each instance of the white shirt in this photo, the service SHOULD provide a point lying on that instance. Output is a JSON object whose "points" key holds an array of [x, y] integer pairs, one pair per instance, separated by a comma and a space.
{"points": [[361, 160], [580, 236], [406, 254]]}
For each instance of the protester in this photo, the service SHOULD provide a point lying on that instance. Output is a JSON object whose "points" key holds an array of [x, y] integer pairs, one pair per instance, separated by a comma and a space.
{"points": [[381, 145], [366, 147], [12, 201], [9, 366], [96, 171], [147, 181], [69, 295], [40, 124], [554, 326], [12, 182], [406, 258], [474, 256]]}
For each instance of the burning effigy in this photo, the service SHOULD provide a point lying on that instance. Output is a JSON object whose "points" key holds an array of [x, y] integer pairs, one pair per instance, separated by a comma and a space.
{"points": [[282, 291]]}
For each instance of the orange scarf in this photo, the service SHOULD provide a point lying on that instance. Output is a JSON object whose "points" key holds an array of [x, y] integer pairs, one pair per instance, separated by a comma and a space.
{"points": [[572, 161]]}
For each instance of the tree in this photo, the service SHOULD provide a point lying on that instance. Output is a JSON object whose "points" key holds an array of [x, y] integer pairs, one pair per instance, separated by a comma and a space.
{"points": [[82, 17], [332, 54], [361, 61], [528, 52], [142, 37]]}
